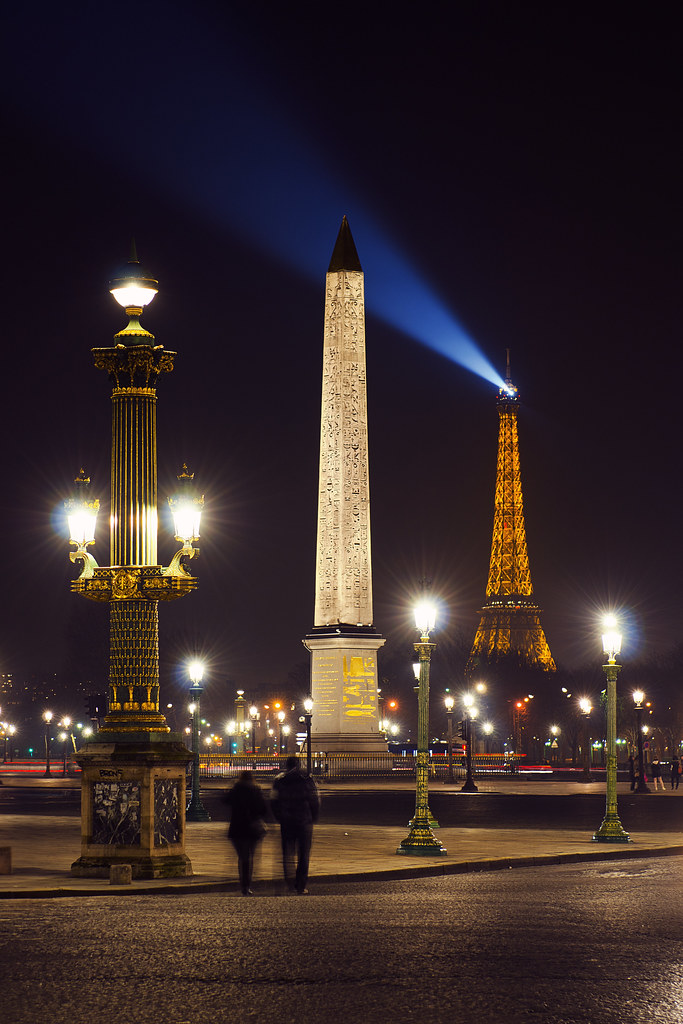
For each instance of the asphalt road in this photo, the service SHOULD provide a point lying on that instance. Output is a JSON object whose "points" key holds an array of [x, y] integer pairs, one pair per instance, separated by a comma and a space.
{"points": [[653, 812], [559, 945]]}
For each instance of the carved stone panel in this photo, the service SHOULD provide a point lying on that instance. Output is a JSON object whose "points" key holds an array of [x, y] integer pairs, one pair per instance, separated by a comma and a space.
{"points": [[116, 813], [166, 812]]}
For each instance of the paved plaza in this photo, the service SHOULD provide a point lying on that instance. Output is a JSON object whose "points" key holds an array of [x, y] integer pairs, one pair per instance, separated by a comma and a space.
{"points": [[44, 846]]}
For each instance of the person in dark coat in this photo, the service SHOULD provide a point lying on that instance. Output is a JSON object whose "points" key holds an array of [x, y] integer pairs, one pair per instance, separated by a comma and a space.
{"points": [[675, 772], [247, 827], [296, 805]]}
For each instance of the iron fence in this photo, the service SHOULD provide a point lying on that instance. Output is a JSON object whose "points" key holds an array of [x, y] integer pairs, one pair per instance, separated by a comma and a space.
{"points": [[331, 767]]}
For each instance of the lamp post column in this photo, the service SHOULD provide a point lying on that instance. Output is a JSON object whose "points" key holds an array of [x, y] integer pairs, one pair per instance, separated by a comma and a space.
{"points": [[611, 830], [642, 786], [47, 715], [196, 811], [421, 840], [308, 716], [449, 702]]}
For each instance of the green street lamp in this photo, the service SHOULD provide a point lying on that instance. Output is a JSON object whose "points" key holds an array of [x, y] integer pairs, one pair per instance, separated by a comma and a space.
{"points": [[471, 713], [253, 717], [421, 841], [196, 810], [449, 702], [585, 707], [47, 718], [638, 698], [611, 830], [308, 716]]}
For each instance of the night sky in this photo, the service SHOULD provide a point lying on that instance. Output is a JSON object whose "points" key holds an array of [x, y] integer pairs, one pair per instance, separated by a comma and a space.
{"points": [[518, 173]]}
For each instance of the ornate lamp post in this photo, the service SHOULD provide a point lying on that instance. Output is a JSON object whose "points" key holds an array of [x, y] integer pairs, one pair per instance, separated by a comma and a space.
{"points": [[421, 840], [611, 830], [308, 717], [253, 716], [585, 707], [133, 778], [449, 702], [280, 720], [47, 718], [638, 698], [195, 810], [469, 785]]}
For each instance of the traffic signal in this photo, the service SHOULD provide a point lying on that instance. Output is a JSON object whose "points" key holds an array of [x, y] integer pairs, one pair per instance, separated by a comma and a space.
{"points": [[462, 729]]}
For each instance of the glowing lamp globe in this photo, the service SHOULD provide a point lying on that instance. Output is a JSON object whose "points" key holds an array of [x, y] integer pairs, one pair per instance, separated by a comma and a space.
{"points": [[196, 671], [186, 507], [81, 513], [611, 639], [449, 702], [638, 697], [308, 705], [425, 617], [133, 287]]}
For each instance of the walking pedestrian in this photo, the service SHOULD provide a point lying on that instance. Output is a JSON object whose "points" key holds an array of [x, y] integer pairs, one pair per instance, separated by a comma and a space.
{"points": [[247, 827], [657, 773], [675, 772], [296, 805]]}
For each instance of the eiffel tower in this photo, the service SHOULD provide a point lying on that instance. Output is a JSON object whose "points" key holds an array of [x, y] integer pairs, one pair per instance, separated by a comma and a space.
{"points": [[510, 627]]}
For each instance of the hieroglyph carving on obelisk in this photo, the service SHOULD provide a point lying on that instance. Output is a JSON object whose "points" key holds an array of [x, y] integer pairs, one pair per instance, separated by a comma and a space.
{"points": [[344, 583]]}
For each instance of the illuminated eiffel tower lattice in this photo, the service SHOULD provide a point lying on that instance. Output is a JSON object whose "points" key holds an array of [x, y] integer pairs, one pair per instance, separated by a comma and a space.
{"points": [[510, 626]]}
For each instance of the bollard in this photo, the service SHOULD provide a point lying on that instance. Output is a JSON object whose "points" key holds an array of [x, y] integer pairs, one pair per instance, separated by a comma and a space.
{"points": [[120, 874]]}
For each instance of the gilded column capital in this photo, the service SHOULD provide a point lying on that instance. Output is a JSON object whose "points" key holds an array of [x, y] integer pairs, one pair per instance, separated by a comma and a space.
{"points": [[134, 366]]}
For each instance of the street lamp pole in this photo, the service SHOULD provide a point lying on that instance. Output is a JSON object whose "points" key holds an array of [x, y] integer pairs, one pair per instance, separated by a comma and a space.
{"points": [[253, 715], [421, 840], [196, 810], [470, 785], [586, 707], [611, 830], [308, 715], [47, 716], [280, 720], [449, 702], [638, 697]]}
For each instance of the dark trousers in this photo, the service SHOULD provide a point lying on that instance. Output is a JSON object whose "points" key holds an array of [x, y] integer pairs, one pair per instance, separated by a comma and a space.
{"points": [[674, 781], [296, 838], [245, 860]]}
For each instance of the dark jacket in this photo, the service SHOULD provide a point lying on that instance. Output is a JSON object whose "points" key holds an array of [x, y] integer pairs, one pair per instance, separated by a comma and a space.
{"points": [[295, 798], [247, 805]]}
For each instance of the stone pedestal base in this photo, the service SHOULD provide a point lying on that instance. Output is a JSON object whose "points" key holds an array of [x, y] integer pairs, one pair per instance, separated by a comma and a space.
{"points": [[133, 805], [344, 691]]}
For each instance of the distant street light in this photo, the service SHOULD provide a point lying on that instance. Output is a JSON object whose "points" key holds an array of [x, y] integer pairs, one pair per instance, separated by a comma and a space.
{"points": [[308, 716], [47, 717], [253, 716], [611, 830], [196, 811], [471, 712], [449, 702], [421, 840], [585, 707], [638, 698]]}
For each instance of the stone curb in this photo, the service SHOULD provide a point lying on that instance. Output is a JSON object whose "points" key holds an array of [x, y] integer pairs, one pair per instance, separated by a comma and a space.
{"points": [[389, 874]]}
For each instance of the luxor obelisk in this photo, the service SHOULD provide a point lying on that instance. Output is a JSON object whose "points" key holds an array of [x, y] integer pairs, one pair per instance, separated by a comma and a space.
{"points": [[344, 642]]}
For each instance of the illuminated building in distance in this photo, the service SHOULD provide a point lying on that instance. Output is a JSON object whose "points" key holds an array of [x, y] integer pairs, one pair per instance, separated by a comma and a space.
{"points": [[510, 627], [344, 642]]}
